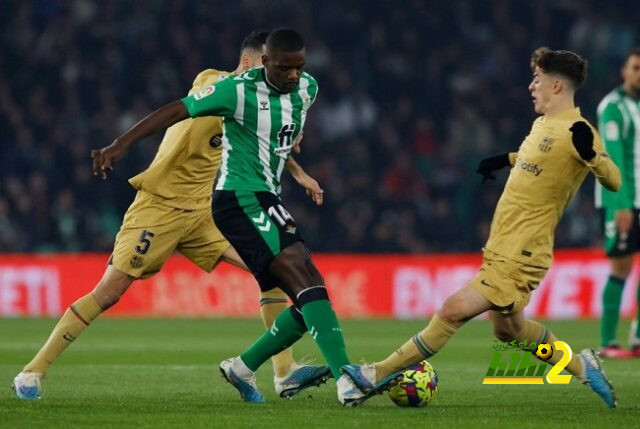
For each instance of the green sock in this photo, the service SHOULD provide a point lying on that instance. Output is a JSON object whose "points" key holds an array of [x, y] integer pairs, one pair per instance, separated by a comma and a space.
{"points": [[611, 298], [326, 332], [285, 331]]}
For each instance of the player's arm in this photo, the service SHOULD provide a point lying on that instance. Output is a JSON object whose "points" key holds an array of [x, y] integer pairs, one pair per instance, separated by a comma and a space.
{"points": [[104, 159], [307, 182], [593, 155], [488, 165], [218, 100], [610, 126]]}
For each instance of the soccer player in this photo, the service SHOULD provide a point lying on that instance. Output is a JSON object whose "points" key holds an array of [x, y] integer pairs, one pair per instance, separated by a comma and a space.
{"points": [[546, 172], [172, 211], [619, 124], [264, 110]]}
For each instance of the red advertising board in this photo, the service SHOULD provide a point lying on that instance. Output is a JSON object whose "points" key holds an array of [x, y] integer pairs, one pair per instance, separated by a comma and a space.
{"points": [[360, 286]]}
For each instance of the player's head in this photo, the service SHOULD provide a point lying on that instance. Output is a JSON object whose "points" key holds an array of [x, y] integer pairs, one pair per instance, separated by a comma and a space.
{"points": [[284, 59], [252, 49], [631, 72], [555, 74]]}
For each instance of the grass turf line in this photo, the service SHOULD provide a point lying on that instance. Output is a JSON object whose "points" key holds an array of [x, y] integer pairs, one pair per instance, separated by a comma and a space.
{"points": [[163, 373]]}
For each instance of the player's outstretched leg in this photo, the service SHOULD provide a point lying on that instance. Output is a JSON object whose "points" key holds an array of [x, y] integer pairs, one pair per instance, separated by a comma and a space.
{"points": [[611, 300], [304, 284], [373, 379], [460, 307], [288, 328], [290, 378], [586, 366], [28, 383]]}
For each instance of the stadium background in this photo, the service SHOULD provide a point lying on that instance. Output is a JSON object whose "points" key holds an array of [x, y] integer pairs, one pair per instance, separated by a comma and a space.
{"points": [[411, 98]]}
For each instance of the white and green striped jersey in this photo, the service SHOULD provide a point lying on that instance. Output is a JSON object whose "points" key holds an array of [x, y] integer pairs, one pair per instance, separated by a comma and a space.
{"points": [[260, 127], [619, 126]]}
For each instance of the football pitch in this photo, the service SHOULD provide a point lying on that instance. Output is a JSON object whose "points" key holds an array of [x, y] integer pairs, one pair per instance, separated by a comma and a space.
{"points": [[163, 373]]}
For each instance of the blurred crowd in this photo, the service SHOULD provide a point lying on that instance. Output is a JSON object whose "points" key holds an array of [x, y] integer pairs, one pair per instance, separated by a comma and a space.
{"points": [[412, 95]]}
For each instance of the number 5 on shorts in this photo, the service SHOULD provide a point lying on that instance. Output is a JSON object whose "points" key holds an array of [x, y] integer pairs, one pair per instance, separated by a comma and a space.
{"points": [[144, 239]]}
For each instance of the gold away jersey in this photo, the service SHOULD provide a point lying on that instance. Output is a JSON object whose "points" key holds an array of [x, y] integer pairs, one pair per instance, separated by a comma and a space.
{"points": [[545, 175], [184, 169]]}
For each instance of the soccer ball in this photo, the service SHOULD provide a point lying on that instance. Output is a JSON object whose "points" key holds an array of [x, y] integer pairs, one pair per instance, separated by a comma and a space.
{"points": [[417, 387], [544, 351]]}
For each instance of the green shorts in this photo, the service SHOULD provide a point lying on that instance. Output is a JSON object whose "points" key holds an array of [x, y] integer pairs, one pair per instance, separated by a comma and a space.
{"points": [[616, 244], [257, 226]]}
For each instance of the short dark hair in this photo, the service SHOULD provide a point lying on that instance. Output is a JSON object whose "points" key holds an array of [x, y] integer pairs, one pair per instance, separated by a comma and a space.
{"points": [[565, 63], [635, 52], [255, 40], [285, 40]]}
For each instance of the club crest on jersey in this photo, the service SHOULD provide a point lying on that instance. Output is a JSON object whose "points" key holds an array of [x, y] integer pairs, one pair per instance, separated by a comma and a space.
{"points": [[306, 102], [545, 145], [204, 92], [136, 261]]}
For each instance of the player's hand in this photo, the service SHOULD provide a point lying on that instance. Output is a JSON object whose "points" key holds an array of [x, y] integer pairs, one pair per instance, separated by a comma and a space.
{"points": [[296, 144], [104, 159], [311, 185], [624, 221], [488, 165], [582, 138]]}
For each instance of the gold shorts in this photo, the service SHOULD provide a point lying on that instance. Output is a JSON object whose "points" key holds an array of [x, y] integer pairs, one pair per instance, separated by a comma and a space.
{"points": [[151, 231], [507, 284]]}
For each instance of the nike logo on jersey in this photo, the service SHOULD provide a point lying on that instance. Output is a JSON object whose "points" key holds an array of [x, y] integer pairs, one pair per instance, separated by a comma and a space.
{"points": [[484, 283], [532, 286]]}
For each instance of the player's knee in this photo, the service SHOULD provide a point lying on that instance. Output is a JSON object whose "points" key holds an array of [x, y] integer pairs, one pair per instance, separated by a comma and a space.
{"points": [[314, 275], [107, 298], [451, 312], [621, 267], [455, 309], [109, 291], [295, 269]]}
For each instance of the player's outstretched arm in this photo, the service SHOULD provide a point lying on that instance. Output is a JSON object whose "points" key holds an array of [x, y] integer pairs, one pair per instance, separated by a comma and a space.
{"points": [[598, 161], [307, 182], [611, 124], [488, 165], [104, 159]]}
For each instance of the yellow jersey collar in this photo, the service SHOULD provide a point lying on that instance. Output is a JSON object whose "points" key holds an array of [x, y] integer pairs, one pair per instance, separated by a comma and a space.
{"points": [[565, 114]]}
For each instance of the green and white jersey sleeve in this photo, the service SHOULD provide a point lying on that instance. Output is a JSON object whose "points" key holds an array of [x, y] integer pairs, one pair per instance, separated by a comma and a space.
{"points": [[619, 126], [260, 123], [218, 99]]}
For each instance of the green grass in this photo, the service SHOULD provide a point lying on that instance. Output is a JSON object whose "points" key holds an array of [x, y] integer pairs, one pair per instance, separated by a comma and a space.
{"points": [[163, 373]]}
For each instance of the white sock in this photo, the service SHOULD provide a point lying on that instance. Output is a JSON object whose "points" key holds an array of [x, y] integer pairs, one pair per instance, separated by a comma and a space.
{"points": [[241, 368]]}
